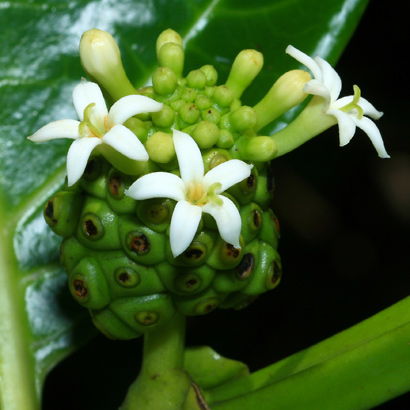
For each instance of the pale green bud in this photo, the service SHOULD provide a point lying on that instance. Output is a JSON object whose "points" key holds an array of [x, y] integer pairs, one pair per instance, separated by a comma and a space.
{"points": [[244, 118], [170, 52], [259, 149], [160, 147], [196, 79], [205, 134], [245, 68], [211, 74], [101, 59], [286, 93], [164, 81]]}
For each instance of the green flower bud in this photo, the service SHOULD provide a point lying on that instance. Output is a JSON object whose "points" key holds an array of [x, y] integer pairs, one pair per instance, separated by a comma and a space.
{"points": [[211, 75], [256, 149], [62, 212], [225, 139], [189, 113], [164, 118], [196, 79], [138, 127], [202, 102], [245, 68], [101, 60], [88, 286], [243, 119], [164, 81], [205, 134], [170, 52], [211, 115], [223, 96], [286, 93], [188, 94], [160, 147]]}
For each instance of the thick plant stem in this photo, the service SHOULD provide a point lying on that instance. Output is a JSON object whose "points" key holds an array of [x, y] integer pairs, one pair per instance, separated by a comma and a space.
{"points": [[162, 383]]}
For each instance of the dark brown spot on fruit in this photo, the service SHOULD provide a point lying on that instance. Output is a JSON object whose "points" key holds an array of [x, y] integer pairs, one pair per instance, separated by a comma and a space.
{"points": [[79, 289], [115, 183], [193, 254], [246, 266], [191, 283], [257, 218], [124, 277], [251, 181], [90, 228], [277, 272], [232, 251], [140, 244]]}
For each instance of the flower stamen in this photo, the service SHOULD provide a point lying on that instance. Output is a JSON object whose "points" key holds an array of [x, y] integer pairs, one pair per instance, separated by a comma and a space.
{"points": [[355, 103]]}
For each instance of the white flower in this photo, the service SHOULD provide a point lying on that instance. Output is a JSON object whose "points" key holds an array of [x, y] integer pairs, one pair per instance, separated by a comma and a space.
{"points": [[349, 111], [195, 193], [98, 126]]}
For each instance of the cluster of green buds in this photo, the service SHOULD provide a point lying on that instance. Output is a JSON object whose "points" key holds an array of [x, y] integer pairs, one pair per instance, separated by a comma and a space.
{"points": [[167, 203]]}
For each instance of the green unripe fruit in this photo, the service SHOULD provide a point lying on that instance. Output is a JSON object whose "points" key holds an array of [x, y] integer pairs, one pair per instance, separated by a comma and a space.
{"points": [[117, 183], [140, 243], [211, 75], [88, 286], [270, 230], [251, 216], [63, 211], [189, 113], [265, 187], [160, 147], [111, 326], [164, 81], [214, 157], [127, 277], [196, 79], [156, 213], [205, 134], [98, 226], [94, 179], [243, 119], [164, 118], [224, 255], [223, 96], [244, 191], [143, 313], [198, 304]]}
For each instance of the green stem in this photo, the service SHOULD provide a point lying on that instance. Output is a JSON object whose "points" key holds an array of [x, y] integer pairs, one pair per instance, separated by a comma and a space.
{"points": [[311, 122], [362, 366], [161, 384]]}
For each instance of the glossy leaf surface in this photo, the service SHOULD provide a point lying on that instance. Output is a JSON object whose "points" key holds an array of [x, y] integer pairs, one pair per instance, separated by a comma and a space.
{"points": [[39, 66]]}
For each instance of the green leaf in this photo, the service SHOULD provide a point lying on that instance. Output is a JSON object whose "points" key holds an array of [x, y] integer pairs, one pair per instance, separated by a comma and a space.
{"points": [[39, 66]]}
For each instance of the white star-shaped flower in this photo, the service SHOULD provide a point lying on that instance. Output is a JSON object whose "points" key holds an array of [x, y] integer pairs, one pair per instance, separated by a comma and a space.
{"points": [[350, 112], [195, 193], [98, 126]]}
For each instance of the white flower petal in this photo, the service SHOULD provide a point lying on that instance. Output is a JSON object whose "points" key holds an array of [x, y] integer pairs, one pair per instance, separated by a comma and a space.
{"points": [[157, 185], [227, 218], [189, 157], [330, 78], [315, 87], [184, 224], [370, 128], [57, 129], [369, 109], [126, 142], [305, 60], [347, 126], [228, 174], [77, 157], [86, 93], [131, 105]]}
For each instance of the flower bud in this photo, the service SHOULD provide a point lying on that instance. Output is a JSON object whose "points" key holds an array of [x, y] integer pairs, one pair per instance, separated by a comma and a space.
{"points": [[244, 118], [286, 93], [259, 149], [170, 52], [164, 81], [160, 147], [101, 60], [245, 68]]}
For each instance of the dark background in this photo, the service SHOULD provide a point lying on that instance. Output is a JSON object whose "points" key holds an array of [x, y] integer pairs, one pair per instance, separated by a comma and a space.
{"points": [[345, 219]]}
